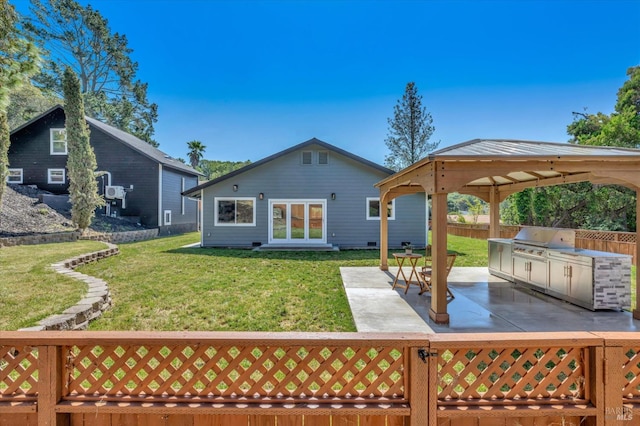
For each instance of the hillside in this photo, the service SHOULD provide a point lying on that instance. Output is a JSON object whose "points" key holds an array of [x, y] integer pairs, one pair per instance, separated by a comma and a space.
{"points": [[21, 213]]}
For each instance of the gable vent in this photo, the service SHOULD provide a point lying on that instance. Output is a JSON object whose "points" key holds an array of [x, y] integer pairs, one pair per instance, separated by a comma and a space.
{"points": [[306, 157]]}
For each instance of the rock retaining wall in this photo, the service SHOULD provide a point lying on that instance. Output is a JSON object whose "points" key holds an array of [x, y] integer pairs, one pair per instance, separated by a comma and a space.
{"points": [[65, 237], [91, 306]]}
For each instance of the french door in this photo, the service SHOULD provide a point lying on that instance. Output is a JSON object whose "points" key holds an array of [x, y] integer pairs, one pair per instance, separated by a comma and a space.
{"points": [[297, 221]]}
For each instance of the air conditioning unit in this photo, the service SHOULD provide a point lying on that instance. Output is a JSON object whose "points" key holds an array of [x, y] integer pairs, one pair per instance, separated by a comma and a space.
{"points": [[112, 192]]}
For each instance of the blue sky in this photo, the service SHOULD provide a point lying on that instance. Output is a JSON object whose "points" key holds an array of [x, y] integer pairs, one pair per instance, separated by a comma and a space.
{"points": [[251, 78]]}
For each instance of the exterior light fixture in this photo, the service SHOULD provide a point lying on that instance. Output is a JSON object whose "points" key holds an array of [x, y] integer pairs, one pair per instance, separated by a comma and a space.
{"points": [[333, 195], [235, 188], [261, 195]]}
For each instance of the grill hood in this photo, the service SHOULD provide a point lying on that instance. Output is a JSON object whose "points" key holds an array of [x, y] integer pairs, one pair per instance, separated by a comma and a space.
{"points": [[546, 237]]}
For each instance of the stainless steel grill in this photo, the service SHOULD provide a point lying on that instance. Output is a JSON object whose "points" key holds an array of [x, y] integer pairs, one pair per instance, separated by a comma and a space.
{"points": [[534, 242]]}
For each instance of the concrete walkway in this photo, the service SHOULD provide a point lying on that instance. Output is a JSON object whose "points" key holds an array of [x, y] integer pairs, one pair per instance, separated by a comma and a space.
{"points": [[483, 303]]}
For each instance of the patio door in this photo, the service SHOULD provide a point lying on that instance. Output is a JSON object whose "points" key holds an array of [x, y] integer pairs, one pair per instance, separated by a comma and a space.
{"points": [[297, 222]]}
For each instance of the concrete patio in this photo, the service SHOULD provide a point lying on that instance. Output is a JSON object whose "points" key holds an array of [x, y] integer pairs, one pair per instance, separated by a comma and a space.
{"points": [[483, 303]]}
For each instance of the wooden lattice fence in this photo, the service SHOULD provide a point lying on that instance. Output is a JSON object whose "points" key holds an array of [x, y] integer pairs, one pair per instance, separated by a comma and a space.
{"points": [[104, 378]]}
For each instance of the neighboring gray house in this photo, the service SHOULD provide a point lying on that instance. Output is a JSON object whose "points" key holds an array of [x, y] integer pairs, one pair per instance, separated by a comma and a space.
{"points": [[312, 194]]}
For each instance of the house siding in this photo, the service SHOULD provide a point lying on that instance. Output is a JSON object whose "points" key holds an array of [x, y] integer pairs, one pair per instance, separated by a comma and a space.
{"points": [[30, 151], [172, 200], [128, 168], [287, 178]]}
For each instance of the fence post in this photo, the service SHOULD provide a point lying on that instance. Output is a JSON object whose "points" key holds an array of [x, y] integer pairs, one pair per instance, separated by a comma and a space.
{"points": [[418, 385], [595, 383], [50, 376], [613, 380]]}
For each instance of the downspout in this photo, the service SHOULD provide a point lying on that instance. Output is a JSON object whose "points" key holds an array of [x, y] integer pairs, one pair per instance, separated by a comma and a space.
{"points": [[200, 217]]}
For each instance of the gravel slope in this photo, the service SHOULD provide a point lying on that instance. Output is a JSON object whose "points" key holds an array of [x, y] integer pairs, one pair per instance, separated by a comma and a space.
{"points": [[21, 213]]}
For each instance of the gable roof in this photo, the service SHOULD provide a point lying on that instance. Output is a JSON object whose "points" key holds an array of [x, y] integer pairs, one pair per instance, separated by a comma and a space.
{"points": [[133, 142], [313, 141]]}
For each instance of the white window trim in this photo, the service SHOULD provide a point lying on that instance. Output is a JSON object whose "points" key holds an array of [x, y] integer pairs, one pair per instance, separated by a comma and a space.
{"points": [[216, 200], [167, 217], [66, 144], [13, 181], [64, 176], [393, 209]]}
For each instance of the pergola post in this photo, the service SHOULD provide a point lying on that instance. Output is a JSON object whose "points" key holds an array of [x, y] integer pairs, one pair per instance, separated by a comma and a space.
{"points": [[494, 212], [636, 311], [384, 232], [438, 311]]}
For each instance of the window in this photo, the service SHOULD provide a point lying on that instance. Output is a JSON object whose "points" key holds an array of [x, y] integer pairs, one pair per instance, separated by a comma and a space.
{"points": [[235, 211], [306, 157], [167, 217], [58, 142], [323, 157], [373, 209], [56, 176], [14, 176]]}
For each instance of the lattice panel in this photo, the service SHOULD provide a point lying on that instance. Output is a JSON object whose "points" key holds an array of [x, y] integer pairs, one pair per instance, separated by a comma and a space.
{"points": [[499, 374], [236, 372], [631, 373], [625, 237], [18, 373]]}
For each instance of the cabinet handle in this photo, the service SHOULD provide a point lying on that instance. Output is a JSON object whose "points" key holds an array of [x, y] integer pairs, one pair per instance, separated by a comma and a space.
{"points": [[570, 271]]}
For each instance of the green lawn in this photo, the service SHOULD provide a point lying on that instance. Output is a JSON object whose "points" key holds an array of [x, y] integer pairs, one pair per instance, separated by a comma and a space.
{"points": [[30, 290], [158, 285]]}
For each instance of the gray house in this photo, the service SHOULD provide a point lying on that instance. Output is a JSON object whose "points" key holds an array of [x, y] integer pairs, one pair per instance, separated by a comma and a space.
{"points": [[312, 194]]}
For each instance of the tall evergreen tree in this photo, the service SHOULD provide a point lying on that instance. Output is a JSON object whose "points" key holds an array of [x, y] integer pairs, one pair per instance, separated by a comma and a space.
{"points": [[196, 151], [81, 160], [18, 61], [409, 131], [80, 37]]}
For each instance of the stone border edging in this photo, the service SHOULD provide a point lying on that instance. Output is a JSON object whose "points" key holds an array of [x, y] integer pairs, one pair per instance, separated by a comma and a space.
{"points": [[95, 301]]}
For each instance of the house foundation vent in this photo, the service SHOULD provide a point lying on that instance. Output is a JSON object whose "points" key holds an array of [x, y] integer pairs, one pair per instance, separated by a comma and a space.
{"points": [[256, 244], [372, 244]]}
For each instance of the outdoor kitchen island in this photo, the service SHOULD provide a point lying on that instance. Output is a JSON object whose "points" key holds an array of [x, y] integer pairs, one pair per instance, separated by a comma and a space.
{"points": [[546, 260]]}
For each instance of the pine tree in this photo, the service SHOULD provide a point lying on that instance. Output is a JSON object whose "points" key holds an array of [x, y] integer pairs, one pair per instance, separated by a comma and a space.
{"points": [[409, 131], [81, 161], [18, 61], [79, 36]]}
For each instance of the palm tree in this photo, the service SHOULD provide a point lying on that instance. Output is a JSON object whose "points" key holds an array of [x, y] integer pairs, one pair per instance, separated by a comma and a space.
{"points": [[196, 150]]}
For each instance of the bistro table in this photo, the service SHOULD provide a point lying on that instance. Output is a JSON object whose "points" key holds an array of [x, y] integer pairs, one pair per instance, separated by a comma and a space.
{"points": [[413, 261]]}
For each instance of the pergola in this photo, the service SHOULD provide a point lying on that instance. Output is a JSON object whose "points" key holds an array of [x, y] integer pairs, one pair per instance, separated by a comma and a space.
{"points": [[492, 170]]}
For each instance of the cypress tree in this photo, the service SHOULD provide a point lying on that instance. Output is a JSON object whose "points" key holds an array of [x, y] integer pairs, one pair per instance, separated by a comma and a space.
{"points": [[81, 160]]}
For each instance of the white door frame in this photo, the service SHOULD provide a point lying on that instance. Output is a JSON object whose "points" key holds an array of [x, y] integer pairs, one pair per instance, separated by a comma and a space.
{"points": [[306, 202]]}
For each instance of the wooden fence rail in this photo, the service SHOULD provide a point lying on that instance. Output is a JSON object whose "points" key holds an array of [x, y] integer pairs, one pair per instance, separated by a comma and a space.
{"points": [[614, 242], [366, 379]]}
